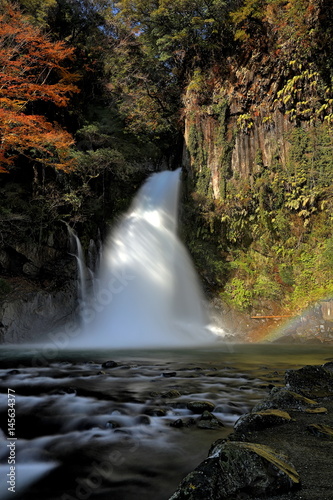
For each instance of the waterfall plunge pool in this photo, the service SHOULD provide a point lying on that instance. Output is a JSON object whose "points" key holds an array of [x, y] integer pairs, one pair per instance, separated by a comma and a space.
{"points": [[87, 431]]}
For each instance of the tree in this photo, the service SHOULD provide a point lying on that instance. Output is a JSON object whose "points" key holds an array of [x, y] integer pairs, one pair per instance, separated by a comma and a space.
{"points": [[32, 70], [37, 9], [183, 32], [156, 46]]}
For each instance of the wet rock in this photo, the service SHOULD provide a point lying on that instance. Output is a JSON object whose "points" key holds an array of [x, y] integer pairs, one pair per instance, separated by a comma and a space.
{"points": [[169, 374], [156, 412], [281, 398], [118, 413], [64, 390], [328, 366], [177, 423], [200, 406], [236, 468], [171, 394], [154, 394], [209, 421], [143, 420], [261, 420], [312, 381], [321, 431], [109, 364], [111, 424]]}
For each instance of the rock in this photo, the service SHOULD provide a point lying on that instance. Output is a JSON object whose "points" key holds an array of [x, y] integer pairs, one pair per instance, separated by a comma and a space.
{"points": [[29, 269], [177, 423], [171, 394], [209, 421], [236, 467], [313, 381], [154, 394], [111, 424], [109, 364], [143, 420], [261, 420], [13, 372], [156, 412], [169, 374], [328, 366], [64, 390], [321, 431], [25, 318], [281, 398], [200, 406]]}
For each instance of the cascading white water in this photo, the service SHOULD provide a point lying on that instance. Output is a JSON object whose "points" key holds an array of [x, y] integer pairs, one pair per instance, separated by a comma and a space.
{"points": [[148, 294]]}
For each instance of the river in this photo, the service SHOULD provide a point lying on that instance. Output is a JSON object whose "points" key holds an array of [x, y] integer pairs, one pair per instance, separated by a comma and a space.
{"points": [[90, 432]]}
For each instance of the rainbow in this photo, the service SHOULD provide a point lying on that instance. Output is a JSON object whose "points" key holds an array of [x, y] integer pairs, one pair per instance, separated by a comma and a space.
{"points": [[273, 331]]}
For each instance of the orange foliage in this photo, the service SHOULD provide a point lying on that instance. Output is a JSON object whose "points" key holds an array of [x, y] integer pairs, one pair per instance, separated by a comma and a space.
{"points": [[32, 69]]}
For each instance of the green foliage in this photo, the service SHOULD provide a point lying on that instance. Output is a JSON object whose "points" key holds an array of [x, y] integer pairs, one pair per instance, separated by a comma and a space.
{"points": [[38, 10], [245, 122], [238, 294], [196, 147], [266, 288], [180, 32], [286, 273]]}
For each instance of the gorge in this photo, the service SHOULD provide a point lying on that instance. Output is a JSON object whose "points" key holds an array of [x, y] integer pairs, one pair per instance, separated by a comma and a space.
{"points": [[240, 96]]}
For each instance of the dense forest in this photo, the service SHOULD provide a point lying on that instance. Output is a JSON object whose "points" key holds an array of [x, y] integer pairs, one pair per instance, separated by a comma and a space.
{"points": [[96, 95]]}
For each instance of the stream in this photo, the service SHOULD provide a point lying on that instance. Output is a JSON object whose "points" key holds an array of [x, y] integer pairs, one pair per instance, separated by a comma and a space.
{"points": [[87, 431]]}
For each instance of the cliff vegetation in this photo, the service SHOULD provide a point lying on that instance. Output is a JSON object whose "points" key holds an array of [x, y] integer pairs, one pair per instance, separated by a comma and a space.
{"points": [[98, 94]]}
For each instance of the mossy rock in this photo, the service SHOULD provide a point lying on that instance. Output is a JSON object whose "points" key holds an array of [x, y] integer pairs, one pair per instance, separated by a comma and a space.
{"points": [[200, 406], [281, 398], [209, 421], [235, 468], [171, 394], [311, 381], [261, 420]]}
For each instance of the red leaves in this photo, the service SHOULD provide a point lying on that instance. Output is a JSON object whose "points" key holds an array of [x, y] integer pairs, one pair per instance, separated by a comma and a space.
{"points": [[32, 68]]}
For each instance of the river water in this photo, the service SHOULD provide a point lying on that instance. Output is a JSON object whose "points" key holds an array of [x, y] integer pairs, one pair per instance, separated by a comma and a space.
{"points": [[90, 432]]}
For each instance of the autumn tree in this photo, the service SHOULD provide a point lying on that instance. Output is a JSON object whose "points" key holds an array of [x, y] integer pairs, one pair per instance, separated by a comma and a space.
{"points": [[32, 70]]}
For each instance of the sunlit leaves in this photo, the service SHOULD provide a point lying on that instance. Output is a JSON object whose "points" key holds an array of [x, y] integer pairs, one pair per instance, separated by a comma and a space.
{"points": [[32, 70]]}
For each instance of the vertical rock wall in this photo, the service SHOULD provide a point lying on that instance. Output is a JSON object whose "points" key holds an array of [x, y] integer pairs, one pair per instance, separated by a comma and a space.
{"points": [[38, 291], [232, 140]]}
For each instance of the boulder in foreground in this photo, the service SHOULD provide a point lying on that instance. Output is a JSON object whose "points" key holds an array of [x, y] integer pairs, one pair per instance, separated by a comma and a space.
{"points": [[235, 467]]}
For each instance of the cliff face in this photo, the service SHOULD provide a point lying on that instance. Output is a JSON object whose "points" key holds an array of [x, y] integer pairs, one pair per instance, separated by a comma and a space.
{"points": [[240, 112], [259, 155], [239, 127], [38, 289]]}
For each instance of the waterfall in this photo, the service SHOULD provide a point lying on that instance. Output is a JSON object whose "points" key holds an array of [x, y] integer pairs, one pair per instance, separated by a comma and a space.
{"points": [[147, 292], [82, 277], [86, 273]]}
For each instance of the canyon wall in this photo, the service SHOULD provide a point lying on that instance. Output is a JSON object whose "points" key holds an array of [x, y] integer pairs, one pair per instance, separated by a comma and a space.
{"points": [[237, 127]]}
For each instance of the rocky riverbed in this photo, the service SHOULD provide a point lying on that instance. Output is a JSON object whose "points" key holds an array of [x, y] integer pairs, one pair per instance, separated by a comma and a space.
{"points": [[130, 425], [281, 450]]}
